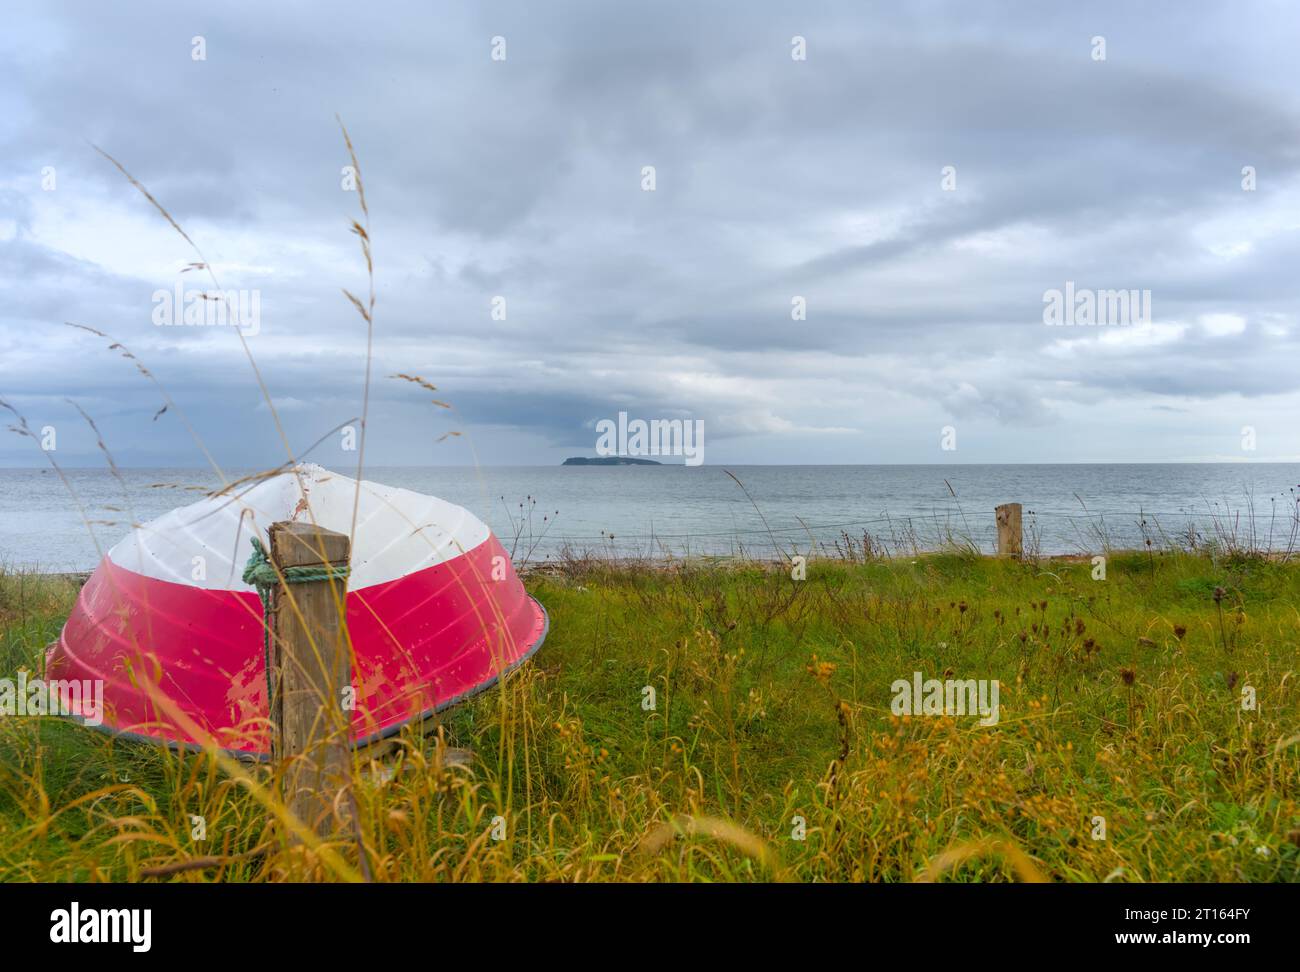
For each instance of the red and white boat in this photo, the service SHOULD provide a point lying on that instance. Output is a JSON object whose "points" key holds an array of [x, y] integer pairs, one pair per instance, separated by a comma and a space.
{"points": [[434, 608]]}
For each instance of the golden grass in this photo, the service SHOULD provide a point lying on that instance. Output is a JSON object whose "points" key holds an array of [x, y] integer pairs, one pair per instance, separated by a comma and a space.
{"points": [[771, 724]]}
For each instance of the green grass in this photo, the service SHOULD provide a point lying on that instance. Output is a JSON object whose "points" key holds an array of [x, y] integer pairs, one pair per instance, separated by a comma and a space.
{"points": [[1120, 699]]}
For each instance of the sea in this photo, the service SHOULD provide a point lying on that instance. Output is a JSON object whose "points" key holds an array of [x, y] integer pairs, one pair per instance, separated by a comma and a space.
{"points": [[548, 513]]}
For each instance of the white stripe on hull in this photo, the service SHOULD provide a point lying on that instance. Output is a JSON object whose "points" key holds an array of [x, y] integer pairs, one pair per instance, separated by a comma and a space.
{"points": [[398, 531]]}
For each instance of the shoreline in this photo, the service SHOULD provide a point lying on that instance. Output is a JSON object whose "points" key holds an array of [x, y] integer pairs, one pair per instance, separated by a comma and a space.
{"points": [[550, 568]]}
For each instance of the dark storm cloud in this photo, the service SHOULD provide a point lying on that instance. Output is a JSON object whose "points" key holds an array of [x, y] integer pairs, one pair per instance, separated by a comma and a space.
{"points": [[776, 179]]}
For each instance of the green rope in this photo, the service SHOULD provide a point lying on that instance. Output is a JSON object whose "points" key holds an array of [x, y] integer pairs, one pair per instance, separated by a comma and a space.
{"points": [[260, 573]]}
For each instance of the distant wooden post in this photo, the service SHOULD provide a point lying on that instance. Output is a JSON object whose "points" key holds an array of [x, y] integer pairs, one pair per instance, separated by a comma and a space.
{"points": [[1010, 537], [311, 668]]}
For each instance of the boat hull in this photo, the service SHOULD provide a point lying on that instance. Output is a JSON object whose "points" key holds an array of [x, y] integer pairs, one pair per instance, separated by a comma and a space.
{"points": [[185, 664]]}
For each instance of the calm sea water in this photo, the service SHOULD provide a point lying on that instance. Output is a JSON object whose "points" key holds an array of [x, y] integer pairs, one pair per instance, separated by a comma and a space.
{"points": [[649, 510]]}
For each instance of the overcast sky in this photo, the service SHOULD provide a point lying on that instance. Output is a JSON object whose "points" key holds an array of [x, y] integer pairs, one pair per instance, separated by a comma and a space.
{"points": [[774, 178]]}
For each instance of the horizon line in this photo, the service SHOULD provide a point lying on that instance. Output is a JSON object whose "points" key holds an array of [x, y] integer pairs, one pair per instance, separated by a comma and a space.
{"points": [[792, 465]]}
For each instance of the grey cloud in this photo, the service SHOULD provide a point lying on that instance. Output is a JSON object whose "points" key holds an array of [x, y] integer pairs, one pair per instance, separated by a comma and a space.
{"points": [[775, 178]]}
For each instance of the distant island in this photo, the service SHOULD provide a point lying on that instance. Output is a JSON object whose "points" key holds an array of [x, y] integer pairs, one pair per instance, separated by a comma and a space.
{"points": [[609, 461]]}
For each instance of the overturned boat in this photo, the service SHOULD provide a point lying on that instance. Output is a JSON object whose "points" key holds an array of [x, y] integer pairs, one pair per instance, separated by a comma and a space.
{"points": [[434, 608]]}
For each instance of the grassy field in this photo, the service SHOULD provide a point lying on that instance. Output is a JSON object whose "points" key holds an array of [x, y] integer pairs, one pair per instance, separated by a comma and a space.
{"points": [[770, 752]]}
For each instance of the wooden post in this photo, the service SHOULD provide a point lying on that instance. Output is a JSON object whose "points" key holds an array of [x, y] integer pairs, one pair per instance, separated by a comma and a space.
{"points": [[1010, 538], [311, 668]]}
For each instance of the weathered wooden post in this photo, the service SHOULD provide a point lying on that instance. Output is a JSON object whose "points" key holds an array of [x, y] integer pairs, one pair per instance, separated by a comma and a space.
{"points": [[311, 670], [1010, 537]]}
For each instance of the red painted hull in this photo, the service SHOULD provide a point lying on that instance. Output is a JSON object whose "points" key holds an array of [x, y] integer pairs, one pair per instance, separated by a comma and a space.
{"points": [[420, 642]]}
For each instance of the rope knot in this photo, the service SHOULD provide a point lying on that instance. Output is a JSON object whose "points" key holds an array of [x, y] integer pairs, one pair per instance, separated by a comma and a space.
{"points": [[259, 572], [258, 568]]}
